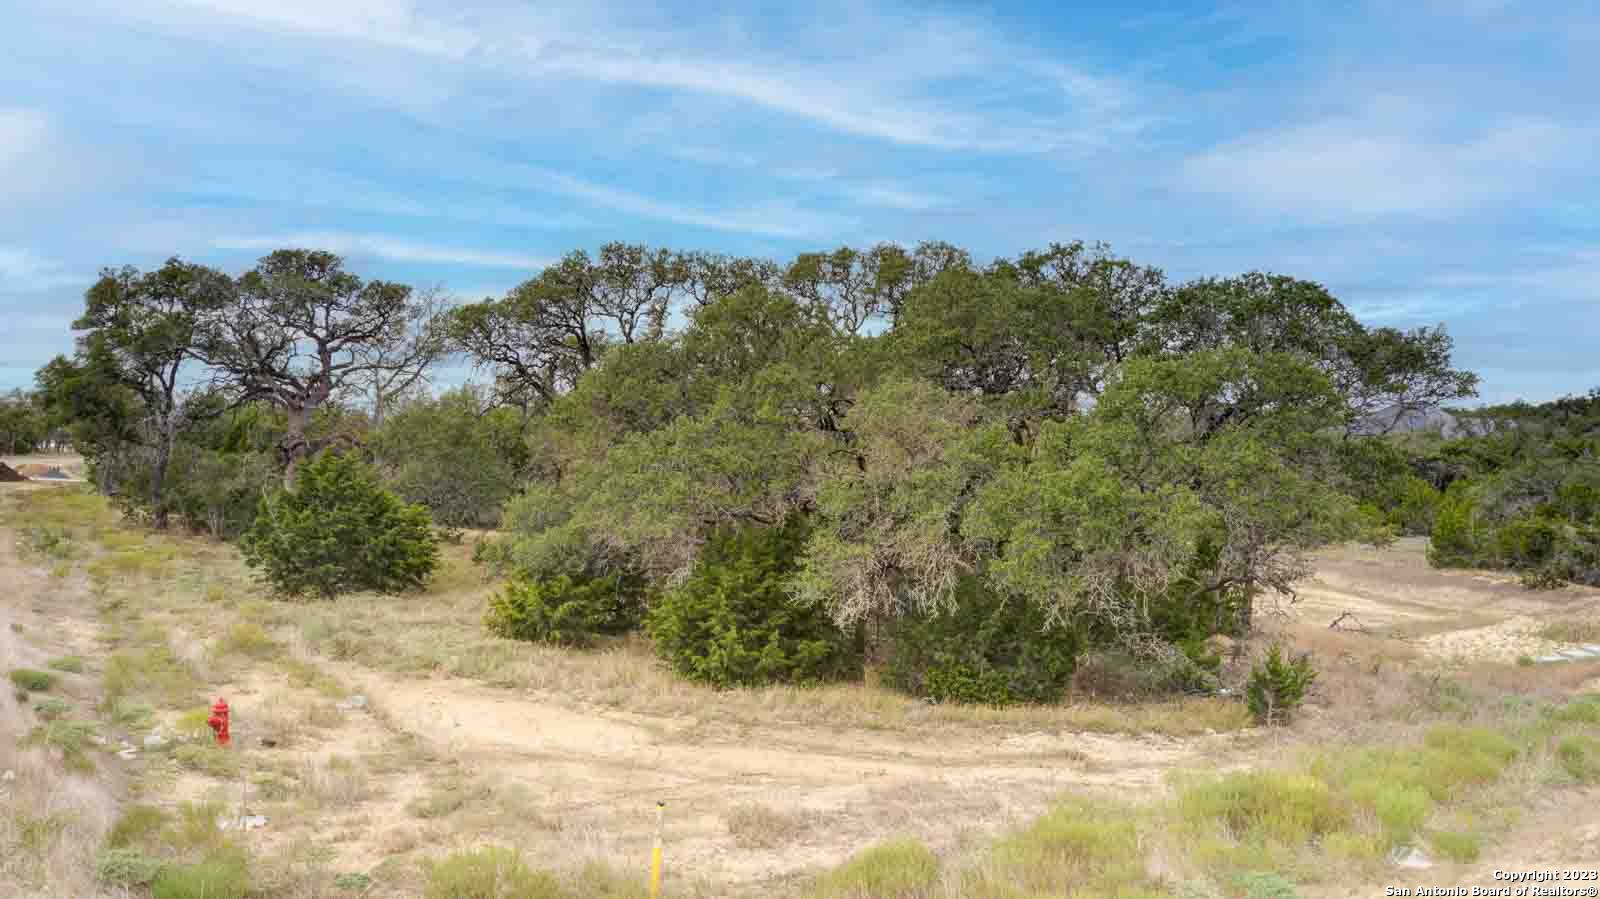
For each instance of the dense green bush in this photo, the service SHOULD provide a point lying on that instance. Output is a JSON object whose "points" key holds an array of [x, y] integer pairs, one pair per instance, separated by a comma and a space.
{"points": [[1455, 538], [567, 610], [339, 530], [986, 650], [1278, 686], [733, 623]]}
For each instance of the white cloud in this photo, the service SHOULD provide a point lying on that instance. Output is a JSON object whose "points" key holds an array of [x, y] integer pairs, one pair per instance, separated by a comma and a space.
{"points": [[893, 196], [1353, 168], [24, 271], [22, 131], [392, 23], [774, 222], [1570, 274], [947, 83], [381, 246]]}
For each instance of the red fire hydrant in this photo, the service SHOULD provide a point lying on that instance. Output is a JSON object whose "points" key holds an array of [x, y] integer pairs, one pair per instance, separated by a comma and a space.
{"points": [[219, 721]]}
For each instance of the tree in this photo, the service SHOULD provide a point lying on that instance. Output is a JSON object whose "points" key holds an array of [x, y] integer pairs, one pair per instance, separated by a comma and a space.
{"points": [[86, 395], [1373, 370], [552, 328], [731, 622], [23, 425], [303, 330], [448, 454], [149, 325], [394, 368], [1194, 480], [850, 287], [338, 530]]}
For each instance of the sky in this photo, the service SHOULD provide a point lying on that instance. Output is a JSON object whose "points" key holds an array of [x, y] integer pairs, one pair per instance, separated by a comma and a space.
{"points": [[1428, 161]]}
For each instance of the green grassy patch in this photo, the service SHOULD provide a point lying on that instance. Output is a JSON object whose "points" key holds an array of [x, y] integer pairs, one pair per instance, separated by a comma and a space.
{"points": [[221, 874], [1579, 757], [30, 680], [73, 739], [69, 664], [901, 869], [489, 872], [1456, 845], [210, 760], [139, 826], [152, 672]]}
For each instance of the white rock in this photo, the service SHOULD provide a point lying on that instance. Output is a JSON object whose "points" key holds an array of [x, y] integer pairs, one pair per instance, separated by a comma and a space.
{"points": [[154, 741], [355, 702], [247, 822], [128, 754], [9, 775], [1411, 857]]}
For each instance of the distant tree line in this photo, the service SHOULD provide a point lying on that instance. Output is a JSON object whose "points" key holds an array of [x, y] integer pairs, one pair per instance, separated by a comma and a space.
{"points": [[1521, 492]]}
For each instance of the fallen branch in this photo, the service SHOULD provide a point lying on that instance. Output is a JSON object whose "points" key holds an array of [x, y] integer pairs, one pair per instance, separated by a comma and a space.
{"points": [[1338, 623]]}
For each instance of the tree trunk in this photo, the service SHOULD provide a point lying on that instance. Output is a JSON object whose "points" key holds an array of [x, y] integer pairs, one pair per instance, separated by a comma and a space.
{"points": [[293, 447], [158, 480]]}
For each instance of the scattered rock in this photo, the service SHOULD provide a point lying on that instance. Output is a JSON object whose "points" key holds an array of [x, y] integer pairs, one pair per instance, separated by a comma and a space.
{"points": [[355, 702], [269, 742], [1411, 857], [246, 822]]}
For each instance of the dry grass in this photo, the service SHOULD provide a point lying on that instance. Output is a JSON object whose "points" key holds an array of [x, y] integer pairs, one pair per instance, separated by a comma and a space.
{"points": [[1321, 817], [444, 633], [1572, 630], [756, 826]]}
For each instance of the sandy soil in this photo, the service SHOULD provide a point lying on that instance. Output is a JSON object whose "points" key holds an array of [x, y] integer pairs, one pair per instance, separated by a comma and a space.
{"points": [[1451, 616]]}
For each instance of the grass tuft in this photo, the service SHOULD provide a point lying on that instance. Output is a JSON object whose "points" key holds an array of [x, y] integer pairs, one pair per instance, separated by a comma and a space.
{"points": [[28, 679], [487, 873], [901, 869]]}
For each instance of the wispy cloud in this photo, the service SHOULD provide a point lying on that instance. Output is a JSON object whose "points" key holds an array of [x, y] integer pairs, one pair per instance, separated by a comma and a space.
{"points": [[394, 23], [381, 246], [769, 219], [1348, 168], [22, 131], [889, 195], [25, 271], [879, 79], [1570, 273]]}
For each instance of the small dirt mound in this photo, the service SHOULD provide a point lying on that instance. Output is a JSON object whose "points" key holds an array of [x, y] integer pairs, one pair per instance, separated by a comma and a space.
{"points": [[9, 475]]}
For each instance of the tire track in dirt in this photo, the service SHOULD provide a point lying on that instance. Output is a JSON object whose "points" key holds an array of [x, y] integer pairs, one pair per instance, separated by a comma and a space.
{"points": [[597, 769]]}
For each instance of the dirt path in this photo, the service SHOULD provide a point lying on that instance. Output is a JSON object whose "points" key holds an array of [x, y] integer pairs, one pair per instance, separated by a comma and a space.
{"points": [[1450, 615], [603, 771]]}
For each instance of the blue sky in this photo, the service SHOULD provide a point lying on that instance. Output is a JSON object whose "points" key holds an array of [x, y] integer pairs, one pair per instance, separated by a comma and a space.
{"points": [[1427, 161]]}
